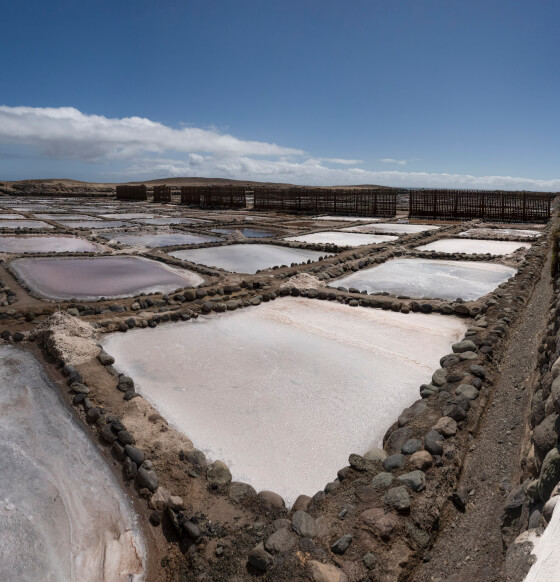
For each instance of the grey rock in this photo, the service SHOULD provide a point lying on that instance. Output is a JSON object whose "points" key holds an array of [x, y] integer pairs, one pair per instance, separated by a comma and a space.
{"points": [[397, 499], [304, 525], [463, 346], [135, 454], [550, 474], [369, 561], [342, 544], [197, 458], [281, 541], [238, 491], [147, 479], [412, 412], [396, 440], [466, 390], [478, 371], [454, 411], [218, 473], [432, 443], [411, 446], [79, 388], [439, 377], [375, 454], [191, 529], [416, 480], [382, 480], [271, 500], [394, 462], [130, 468], [260, 559], [125, 383], [105, 358]]}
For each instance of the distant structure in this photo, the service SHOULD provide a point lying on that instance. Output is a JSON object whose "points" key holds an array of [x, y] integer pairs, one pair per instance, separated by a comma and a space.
{"points": [[223, 196], [351, 201], [162, 193], [128, 192], [494, 206]]}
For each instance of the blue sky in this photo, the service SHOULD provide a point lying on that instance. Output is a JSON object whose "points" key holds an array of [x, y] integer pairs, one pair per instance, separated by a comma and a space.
{"points": [[411, 93]]}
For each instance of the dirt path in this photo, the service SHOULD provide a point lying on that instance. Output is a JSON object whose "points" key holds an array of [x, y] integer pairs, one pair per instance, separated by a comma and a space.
{"points": [[469, 546]]}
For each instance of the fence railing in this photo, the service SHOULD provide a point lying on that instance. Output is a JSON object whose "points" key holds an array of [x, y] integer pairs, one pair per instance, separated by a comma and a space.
{"points": [[495, 206], [214, 196], [359, 202], [128, 192], [162, 193]]}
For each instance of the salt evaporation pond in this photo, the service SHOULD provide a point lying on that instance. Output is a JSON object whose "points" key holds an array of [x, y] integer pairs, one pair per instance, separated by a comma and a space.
{"points": [[471, 246], [93, 224], [247, 232], [395, 227], [129, 215], [11, 216], [247, 258], [343, 239], [429, 278], [24, 224], [63, 516], [284, 392], [92, 278], [46, 244], [166, 239], [547, 565], [167, 221], [346, 218], [65, 217], [505, 232]]}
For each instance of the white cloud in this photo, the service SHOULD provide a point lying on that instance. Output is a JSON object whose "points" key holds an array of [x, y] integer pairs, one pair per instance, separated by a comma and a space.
{"points": [[342, 161], [315, 172], [149, 149], [65, 132]]}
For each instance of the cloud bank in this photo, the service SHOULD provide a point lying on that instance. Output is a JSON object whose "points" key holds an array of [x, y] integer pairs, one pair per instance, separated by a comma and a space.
{"points": [[134, 148]]}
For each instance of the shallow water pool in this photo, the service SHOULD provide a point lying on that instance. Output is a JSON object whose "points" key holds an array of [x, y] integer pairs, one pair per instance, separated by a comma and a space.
{"points": [[471, 246], [429, 278], [343, 239], [165, 239], [95, 277], [46, 244], [247, 258]]}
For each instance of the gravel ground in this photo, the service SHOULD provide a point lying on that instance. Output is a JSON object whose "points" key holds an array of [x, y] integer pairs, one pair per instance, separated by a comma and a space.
{"points": [[469, 546]]}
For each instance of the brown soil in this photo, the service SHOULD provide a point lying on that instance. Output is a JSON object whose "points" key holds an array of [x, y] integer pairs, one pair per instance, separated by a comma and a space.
{"points": [[469, 545]]}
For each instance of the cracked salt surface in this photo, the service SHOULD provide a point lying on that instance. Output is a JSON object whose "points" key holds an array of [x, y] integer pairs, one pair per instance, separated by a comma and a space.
{"points": [[63, 516], [429, 278], [284, 392], [508, 232]]}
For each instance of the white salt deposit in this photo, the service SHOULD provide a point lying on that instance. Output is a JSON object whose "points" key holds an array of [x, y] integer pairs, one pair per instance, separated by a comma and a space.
{"points": [[392, 227], [505, 232], [430, 278], [63, 516], [347, 218], [346, 239], [284, 392], [24, 224], [471, 246], [547, 566], [247, 258]]}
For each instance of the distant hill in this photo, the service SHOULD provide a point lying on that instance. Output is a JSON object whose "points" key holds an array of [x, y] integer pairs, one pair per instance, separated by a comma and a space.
{"points": [[66, 187]]}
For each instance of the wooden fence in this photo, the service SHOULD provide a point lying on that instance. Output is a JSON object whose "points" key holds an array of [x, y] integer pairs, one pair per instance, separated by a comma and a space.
{"points": [[128, 192], [214, 196], [494, 206], [358, 202], [162, 193]]}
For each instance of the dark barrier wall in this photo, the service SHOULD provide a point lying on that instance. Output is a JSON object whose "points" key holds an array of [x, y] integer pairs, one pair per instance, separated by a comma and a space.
{"points": [[127, 192], [496, 206], [162, 193], [357, 202], [214, 196]]}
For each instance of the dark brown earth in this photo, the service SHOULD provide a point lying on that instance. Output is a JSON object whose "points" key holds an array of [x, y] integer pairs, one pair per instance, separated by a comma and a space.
{"points": [[469, 546]]}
